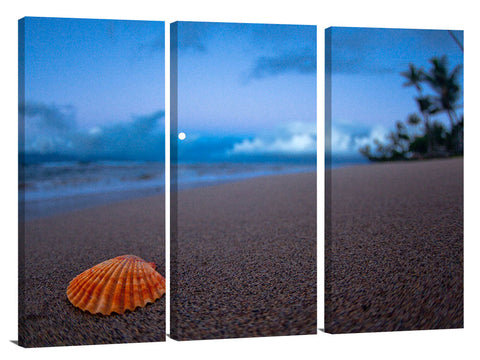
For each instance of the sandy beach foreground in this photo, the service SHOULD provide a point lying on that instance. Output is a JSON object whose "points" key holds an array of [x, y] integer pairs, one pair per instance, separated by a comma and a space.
{"points": [[245, 264], [244, 259], [394, 247], [60, 247]]}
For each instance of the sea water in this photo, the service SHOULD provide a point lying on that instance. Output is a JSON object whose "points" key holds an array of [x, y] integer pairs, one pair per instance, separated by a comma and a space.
{"points": [[50, 188]]}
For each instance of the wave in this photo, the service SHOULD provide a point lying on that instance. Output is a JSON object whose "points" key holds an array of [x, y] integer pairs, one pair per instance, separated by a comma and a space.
{"points": [[69, 178], [51, 188]]}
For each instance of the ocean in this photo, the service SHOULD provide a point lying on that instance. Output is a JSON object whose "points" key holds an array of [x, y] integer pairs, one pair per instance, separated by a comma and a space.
{"points": [[54, 187], [50, 188], [341, 160]]}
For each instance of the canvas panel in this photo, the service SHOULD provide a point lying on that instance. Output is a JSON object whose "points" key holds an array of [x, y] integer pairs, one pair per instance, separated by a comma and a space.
{"points": [[91, 184], [394, 180], [243, 202]]}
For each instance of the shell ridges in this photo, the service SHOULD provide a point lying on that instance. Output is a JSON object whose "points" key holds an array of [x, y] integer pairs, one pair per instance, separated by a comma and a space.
{"points": [[116, 285]]}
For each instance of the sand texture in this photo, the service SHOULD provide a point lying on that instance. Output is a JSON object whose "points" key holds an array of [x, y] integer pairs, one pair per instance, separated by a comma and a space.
{"points": [[394, 247], [244, 259], [58, 248]]}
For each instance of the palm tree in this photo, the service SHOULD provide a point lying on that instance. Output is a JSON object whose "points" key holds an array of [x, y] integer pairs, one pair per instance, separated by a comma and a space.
{"points": [[414, 78], [434, 140], [427, 108], [446, 85], [413, 119]]}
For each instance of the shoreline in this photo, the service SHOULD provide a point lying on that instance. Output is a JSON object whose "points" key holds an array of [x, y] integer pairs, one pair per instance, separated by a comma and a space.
{"points": [[266, 258], [244, 257], [45, 208]]}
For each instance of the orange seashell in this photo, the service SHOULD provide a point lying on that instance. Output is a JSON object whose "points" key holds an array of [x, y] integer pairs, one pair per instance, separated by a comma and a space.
{"points": [[116, 285]]}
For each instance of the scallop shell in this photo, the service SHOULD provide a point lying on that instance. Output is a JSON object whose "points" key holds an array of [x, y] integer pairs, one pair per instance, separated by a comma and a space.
{"points": [[116, 285]]}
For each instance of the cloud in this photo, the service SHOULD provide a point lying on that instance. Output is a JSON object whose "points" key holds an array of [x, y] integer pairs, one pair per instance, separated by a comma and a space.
{"points": [[304, 62], [384, 51], [141, 139], [339, 142], [294, 46], [203, 147], [285, 48], [359, 65], [376, 133], [46, 127], [296, 139], [52, 129], [52, 117], [368, 50], [157, 44], [344, 140], [193, 35], [297, 144], [148, 123], [283, 36]]}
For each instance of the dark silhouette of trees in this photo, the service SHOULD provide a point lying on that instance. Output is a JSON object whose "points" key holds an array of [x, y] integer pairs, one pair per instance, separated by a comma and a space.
{"points": [[446, 86], [433, 140]]}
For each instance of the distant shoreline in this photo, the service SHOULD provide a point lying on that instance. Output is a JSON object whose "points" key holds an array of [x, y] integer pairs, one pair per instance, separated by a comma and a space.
{"points": [[255, 238], [56, 205], [46, 208]]}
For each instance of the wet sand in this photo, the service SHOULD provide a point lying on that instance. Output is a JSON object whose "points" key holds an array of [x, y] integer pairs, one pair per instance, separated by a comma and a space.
{"points": [[394, 247]]}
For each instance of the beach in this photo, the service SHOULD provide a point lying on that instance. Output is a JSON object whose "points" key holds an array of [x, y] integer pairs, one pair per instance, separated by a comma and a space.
{"points": [[394, 246], [58, 248], [244, 264], [244, 259]]}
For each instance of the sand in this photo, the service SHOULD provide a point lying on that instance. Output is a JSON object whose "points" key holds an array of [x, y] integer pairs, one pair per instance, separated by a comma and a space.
{"points": [[60, 247], [244, 259], [394, 247], [244, 264]]}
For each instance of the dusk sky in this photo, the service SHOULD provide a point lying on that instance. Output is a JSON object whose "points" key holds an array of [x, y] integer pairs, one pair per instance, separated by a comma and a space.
{"points": [[368, 95], [246, 91], [94, 87]]}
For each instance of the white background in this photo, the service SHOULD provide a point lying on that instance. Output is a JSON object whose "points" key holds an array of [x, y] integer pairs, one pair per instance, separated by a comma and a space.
{"points": [[439, 344]]}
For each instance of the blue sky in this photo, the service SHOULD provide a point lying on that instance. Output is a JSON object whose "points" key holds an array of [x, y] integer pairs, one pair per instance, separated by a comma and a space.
{"points": [[94, 88], [246, 91], [368, 95]]}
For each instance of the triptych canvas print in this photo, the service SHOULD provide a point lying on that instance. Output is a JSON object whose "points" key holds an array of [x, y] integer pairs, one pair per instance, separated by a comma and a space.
{"points": [[243, 181]]}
